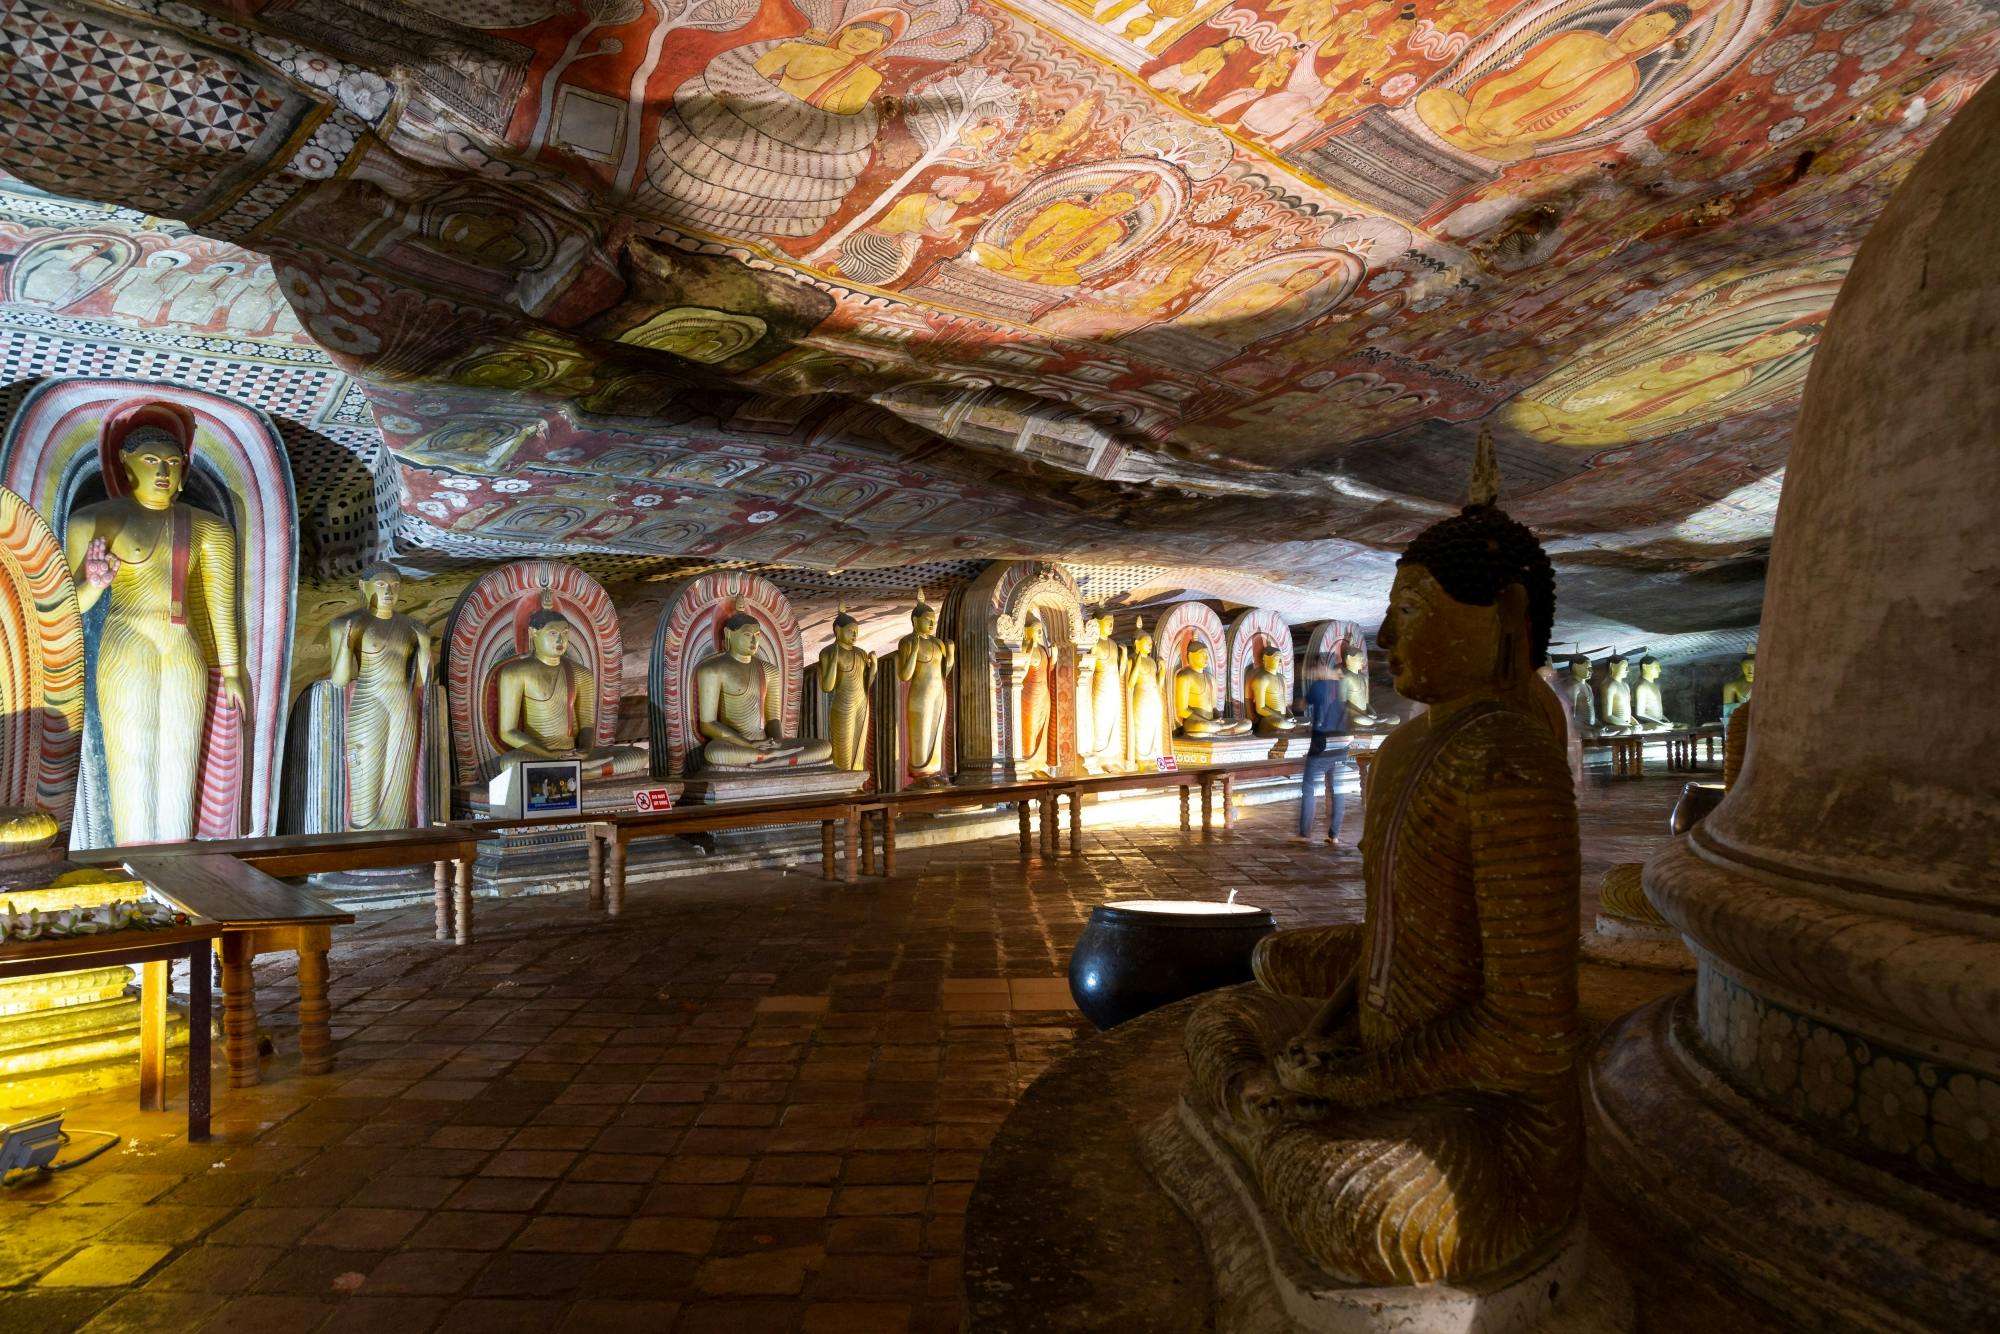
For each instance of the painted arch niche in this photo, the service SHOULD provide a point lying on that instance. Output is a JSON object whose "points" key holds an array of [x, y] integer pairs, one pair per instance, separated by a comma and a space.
{"points": [[52, 456], [689, 631]]}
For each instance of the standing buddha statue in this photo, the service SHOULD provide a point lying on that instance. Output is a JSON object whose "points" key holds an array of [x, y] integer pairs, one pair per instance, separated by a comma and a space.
{"points": [[1403, 1092], [1106, 669], [1196, 713], [386, 658], [164, 568], [846, 674], [922, 662], [1037, 683], [1145, 702], [739, 703]]}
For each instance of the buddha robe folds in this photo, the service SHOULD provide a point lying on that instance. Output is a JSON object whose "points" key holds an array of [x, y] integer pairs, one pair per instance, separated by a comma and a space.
{"points": [[1449, 1142]]}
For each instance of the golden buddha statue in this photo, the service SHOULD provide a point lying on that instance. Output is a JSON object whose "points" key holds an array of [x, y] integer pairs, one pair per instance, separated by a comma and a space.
{"points": [[922, 662], [846, 675], [386, 657], [1105, 666], [1736, 693], [1196, 713], [157, 562], [1648, 711], [1062, 238], [548, 705], [739, 703], [1558, 89], [1264, 695], [1145, 702], [1037, 684], [1403, 1091], [1354, 689]]}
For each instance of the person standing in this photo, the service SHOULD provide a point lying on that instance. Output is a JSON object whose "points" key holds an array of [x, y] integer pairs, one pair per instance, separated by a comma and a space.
{"points": [[1326, 710]]}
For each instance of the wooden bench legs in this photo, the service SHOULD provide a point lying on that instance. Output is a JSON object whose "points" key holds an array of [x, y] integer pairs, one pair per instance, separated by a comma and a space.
{"points": [[239, 998], [451, 887], [1187, 825]]}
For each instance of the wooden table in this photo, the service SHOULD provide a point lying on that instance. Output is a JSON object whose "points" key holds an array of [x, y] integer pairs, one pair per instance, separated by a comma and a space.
{"points": [[445, 845], [1628, 756], [257, 914], [609, 835], [155, 952]]}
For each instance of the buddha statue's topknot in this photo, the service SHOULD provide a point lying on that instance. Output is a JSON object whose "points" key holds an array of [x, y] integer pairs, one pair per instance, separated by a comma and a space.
{"points": [[1477, 552]]}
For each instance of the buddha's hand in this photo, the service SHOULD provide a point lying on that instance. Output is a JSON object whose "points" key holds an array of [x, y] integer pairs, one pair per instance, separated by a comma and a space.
{"points": [[100, 567], [232, 689], [1316, 1065], [1268, 1103]]}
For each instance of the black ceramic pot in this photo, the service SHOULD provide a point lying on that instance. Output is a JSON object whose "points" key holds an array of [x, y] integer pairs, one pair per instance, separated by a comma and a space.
{"points": [[1697, 800], [1140, 954]]}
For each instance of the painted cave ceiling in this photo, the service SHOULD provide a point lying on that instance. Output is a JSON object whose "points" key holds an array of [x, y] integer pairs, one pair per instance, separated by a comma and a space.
{"points": [[1228, 284]]}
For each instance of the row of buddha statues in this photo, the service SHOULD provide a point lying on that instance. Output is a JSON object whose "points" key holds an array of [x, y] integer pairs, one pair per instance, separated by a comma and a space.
{"points": [[1620, 707]]}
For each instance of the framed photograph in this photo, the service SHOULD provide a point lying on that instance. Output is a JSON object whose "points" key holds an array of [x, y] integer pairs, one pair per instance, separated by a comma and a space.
{"points": [[550, 787]]}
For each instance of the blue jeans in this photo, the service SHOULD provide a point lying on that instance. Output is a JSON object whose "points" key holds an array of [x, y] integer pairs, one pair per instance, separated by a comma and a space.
{"points": [[1322, 767]]}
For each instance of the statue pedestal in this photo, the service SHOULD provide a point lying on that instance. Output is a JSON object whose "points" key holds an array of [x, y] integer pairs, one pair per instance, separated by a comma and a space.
{"points": [[712, 785], [1630, 933], [1067, 1232], [551, 849], [1263, 1281], [1227, 749]]}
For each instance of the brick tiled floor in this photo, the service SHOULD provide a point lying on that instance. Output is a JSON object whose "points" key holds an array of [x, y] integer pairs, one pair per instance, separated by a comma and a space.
{"points": [[757, 1102]]}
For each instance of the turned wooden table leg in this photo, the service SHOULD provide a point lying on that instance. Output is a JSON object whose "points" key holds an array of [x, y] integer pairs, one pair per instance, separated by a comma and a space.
{"points": [[1075, 822], [198, 1041], [826, 850], [614, 889], [464, 900], [1051, 830], [153, 981], [239, 1009], [1021, 808], [1228, 801], [1187, 824], [888, 841], [596, 869], [868, 843], [1207, 804], [441, 889], [315, 1032], [853, 837]]}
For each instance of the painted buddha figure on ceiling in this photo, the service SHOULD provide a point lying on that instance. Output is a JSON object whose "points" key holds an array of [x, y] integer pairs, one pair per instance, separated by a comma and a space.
{"points": [[738, 706], [1559, 89], [837, 74], [1062, 238], [1403, 1091], [1197, 713], [548, 705], [1265, 696], [168, 572]]}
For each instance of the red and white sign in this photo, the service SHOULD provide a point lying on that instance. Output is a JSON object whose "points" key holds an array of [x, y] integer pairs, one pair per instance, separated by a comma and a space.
{"points": [[1167, 763], [654, 799]]}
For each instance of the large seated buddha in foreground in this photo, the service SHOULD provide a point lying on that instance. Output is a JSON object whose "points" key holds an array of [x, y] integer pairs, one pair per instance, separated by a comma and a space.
{"points": [[1401, 1094]]}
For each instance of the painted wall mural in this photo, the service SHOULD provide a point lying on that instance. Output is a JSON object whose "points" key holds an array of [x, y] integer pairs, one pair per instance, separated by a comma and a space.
{"points": [[1181, 281]]}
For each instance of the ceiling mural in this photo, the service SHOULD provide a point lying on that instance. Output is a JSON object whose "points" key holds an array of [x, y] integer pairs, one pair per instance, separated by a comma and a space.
{"points": [[859, 283]]}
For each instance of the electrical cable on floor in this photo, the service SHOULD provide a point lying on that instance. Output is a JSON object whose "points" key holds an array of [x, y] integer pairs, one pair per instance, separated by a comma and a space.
{"points": [[36, 1173]]}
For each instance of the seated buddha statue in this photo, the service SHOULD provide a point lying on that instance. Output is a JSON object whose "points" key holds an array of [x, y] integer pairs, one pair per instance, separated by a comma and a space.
{"points": [[738, 707], [1647, 709], [1354, 689], [548, 705], [1264, 694], [1403, 1092], [1195, 711], [1737, 693], [1618, 719], [1582, 699]]}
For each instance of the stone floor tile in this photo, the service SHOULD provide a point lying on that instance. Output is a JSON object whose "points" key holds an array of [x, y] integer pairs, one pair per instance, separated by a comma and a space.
{"points": [[463, 1230], [419, 1273], [385, 1315], [857, 1318], [358, 1229], [605, 1316], [108, 1265], [151, 1312], [266, 1314], [215, 1268], [685, 1236], [779, 1273]]}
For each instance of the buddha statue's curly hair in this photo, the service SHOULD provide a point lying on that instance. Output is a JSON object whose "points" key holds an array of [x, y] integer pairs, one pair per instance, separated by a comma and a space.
{"points": [[1477, 552]]}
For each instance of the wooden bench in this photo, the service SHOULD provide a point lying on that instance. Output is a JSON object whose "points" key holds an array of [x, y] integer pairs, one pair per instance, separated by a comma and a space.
{"points": [[609, 836], [257, 914], [155, 952], [444, 845]]}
